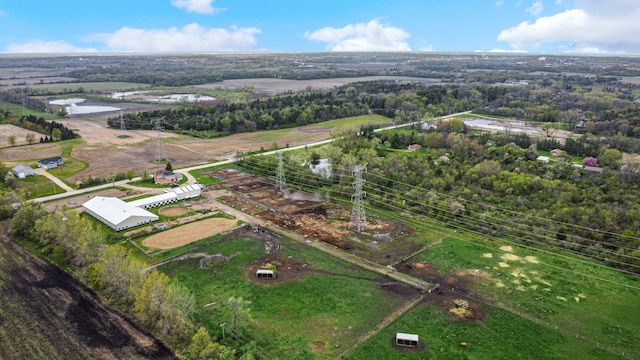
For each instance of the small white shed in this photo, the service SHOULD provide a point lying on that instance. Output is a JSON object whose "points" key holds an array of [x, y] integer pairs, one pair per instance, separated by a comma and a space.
{"points": [[265, 273], [410, 340]]}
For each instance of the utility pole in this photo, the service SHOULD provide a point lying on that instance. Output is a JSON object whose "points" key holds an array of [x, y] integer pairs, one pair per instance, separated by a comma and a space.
{"points": [[123, 129], [281, 181], [358, 216]]}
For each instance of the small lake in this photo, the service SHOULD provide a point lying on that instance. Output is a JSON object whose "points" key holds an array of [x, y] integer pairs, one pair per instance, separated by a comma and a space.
{"points": [[171, 98], [73, 108]]}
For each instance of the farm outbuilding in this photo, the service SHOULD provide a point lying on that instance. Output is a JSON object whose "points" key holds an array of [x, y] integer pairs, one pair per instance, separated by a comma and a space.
{"points": [[22, 171], [171, 196], [120, 215], [410, 340], [265, 273], [117, 214]]}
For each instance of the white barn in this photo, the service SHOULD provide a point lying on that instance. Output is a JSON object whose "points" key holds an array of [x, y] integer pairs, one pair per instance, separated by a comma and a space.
{"points": [[172, 195], [117, 214], [120, 215]]}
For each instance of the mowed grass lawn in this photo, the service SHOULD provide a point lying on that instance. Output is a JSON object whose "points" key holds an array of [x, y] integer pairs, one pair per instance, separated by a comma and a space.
{"points": [[331, 303], [39, 186], [588, 304]]}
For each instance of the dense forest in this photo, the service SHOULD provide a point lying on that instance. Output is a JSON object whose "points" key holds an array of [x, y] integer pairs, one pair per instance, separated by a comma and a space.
{"points": [[377, 97]]}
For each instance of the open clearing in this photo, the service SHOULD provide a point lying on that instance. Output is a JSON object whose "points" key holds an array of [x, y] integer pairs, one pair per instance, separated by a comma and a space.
{"points": [[188, 233], [7, 130], [315, 308], [268, 86]]}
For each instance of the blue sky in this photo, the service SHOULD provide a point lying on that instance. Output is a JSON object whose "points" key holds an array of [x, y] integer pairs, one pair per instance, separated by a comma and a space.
{"points": [[537, 26]]}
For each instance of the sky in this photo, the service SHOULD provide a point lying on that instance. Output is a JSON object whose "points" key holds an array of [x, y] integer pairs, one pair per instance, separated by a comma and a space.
{"points": [[141, 26]]}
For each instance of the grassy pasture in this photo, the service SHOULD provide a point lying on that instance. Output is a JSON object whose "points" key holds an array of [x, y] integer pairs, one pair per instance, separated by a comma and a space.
{"points": [[331, 302], [39, 186], [586, 300], [303, 133], [501, 335]]}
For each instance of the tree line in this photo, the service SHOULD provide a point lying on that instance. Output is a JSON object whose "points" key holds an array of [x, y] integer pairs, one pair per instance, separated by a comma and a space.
{"points": [[162, 305], [53, 130], [377, 97]]}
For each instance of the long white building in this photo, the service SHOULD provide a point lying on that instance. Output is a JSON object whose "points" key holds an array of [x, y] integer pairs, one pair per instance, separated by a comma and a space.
{"points": [[117, 214], [120, 215]]}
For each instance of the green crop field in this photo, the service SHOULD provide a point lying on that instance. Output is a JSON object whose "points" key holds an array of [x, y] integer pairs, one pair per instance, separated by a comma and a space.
{"points": [[330, 302]]}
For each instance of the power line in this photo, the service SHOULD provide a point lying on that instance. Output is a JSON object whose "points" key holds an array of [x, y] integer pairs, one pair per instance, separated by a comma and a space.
{"points": [[281, 181], [387, 203], [358, 217]]}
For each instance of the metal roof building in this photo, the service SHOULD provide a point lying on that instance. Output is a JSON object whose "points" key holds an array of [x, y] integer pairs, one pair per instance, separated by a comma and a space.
{"points": [[22, 171], [171, 195], [120, 215], [116, 213]]}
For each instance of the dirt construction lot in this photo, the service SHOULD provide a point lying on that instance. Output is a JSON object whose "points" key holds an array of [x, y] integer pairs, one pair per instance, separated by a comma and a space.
{"points": [[314, 217], [188, 233]]}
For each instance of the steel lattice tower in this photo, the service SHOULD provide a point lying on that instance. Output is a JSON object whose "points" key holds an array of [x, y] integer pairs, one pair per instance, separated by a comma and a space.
{"points": [[358, 217], [123, 129], [281, 181], [161, 154]]}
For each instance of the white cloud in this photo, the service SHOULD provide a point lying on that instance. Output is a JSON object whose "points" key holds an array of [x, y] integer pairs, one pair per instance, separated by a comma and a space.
{"points": [[507, 51], [192, 37], [536, 8], [371, 36], [593, 26], [41, 46], [197, 6], [499, 3]]}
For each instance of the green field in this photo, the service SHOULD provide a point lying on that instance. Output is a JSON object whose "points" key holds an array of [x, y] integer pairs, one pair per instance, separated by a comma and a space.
{"points": [[39, 186], [331, 303], [582, 298], [95, 86]]}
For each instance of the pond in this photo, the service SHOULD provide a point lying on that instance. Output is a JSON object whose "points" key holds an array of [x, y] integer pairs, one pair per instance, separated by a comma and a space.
{"points": [[73, 108]]}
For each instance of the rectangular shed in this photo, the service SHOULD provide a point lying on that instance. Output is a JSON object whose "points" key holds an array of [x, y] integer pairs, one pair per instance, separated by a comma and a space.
{"points": [[265, 273], [410, 340]]}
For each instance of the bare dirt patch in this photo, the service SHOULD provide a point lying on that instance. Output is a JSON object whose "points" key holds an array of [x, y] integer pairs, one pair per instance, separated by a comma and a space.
{"points": [[20, 134], [269, 86], [188, 233], [173, 211], [452, 288], [48, 314], [313, 217]]}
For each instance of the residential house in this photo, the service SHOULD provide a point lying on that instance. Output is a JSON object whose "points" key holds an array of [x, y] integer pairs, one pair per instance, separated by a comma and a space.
{"points": [[163, 177], [50, 163]]}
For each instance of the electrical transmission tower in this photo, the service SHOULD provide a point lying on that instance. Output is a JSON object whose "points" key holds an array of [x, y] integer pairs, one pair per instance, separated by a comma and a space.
{"points": [[123, 129], [281, 182], [161, 154], [358, 217], [25, 112]]}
